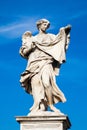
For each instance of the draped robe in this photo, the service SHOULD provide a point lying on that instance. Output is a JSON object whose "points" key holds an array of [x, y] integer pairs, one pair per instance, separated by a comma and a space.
{"points": [[46, 54]]}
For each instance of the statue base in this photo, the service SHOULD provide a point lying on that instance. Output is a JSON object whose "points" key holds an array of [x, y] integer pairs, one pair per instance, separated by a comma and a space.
{"points": [[44, 122]]}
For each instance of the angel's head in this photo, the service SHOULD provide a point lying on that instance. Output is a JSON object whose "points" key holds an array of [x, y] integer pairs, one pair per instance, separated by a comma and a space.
{"points": [[43, 24]]}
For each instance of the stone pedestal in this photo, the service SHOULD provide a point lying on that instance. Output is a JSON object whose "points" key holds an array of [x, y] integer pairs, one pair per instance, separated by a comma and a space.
{"points": [[50, 122]]}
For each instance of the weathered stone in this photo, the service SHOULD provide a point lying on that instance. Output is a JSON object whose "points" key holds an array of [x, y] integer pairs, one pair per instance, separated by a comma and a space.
{"points": [[49, 122], [45, 53]]}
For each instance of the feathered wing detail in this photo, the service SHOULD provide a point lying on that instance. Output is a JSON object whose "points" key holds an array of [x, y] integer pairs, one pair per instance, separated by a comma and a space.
{"points": [[27, 39]]}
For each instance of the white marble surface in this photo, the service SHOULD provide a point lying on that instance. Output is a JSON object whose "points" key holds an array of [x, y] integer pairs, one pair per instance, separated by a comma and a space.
{"points": [[50, 122]]}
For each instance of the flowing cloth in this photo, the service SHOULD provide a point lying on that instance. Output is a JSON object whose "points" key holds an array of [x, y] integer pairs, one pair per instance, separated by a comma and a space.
{"points": [[45, 59]]}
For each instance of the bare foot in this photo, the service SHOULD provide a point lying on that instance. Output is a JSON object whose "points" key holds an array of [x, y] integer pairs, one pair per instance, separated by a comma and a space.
{"points": [[55, 110]]}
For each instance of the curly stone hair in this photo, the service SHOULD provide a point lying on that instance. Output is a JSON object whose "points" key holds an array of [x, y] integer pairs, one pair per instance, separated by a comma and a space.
{"points": [[39, 22]]}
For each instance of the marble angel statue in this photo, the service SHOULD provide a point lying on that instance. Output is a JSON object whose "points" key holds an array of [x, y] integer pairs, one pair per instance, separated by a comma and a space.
{"points": [[45, 53]]}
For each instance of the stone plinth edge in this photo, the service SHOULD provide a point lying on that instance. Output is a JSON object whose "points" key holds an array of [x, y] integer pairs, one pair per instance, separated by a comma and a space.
{"points": [[61, 120]]}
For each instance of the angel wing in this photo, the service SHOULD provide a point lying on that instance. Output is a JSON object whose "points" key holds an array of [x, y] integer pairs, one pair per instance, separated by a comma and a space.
{"points": [[26, 44]]}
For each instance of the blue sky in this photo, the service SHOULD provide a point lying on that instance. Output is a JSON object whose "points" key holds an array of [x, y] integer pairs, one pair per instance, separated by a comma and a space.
{"points": [[16, 17]]}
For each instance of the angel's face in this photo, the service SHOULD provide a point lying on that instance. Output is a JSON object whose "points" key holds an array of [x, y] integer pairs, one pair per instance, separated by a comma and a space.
{"points": [[43, 26]]}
